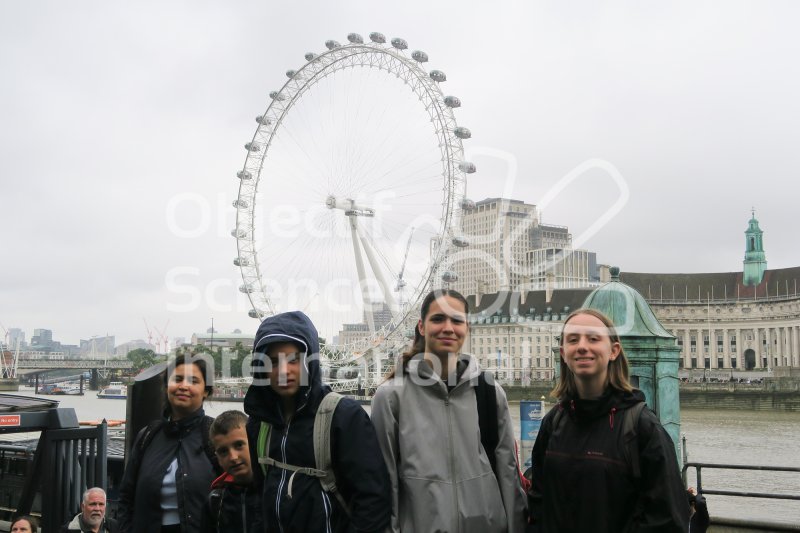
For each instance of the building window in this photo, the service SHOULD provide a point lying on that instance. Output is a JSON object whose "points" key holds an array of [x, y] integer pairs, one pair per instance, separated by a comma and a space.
{"points": [[720, 363], [694, 362], [707, 362], [733, 362]]}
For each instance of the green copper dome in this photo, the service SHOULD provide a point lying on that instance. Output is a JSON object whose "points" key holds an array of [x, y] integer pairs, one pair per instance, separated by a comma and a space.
{"points": [[627, 308]]}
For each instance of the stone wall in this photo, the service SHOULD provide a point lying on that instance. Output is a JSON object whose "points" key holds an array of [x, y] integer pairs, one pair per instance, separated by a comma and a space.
{"points": [[772, 394]]}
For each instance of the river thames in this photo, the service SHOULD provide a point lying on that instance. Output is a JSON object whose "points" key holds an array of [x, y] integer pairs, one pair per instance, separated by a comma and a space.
{"points": [[766, 438]]}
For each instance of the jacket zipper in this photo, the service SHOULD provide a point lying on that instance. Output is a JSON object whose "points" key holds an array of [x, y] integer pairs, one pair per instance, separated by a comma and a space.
{"points": [[244, 510], [452, 460], [283, 458], [283, 475], [326, 503]]}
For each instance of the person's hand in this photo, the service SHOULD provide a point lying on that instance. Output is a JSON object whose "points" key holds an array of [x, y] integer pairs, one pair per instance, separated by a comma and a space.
{"points": [[692, 491]]}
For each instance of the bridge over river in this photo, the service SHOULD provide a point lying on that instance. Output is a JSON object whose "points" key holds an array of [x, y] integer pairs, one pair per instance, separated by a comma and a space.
{"points": [[39, 366]]}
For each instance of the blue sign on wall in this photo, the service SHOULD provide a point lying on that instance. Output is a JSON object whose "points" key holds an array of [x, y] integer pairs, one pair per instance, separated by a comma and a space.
{"points": [[531, 410], [531, 413]]}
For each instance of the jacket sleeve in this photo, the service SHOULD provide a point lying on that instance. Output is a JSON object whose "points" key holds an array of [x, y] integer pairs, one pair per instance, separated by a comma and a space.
{"points": [[662, 504], [360, 467], [127, 488], [384, 416], [536, 492], [508, 467]]}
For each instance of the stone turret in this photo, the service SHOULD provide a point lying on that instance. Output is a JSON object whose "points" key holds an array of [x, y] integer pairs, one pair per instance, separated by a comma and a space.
{"points": [[652, 351]]}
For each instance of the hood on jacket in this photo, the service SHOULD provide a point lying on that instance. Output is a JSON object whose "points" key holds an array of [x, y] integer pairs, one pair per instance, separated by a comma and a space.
{"points": [[222, 481], [75, 523], [297, 328], [611, 402]]}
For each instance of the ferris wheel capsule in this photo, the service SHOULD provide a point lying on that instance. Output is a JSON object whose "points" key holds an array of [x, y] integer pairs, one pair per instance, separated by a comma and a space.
{"points": [[255, 313], [467, 204], [276, 95], [419, 56], [311, 56], [452, 101], [261, 119], [252, 147], [462, 132], [399, 43], [290, 73], [376, 37], [331, 44], [244, 175], [241, 261], [241, 204], [438, 76], [461, 242], [355, 38], [238, 233], [246, 288], [449, 276], [467, 167]]}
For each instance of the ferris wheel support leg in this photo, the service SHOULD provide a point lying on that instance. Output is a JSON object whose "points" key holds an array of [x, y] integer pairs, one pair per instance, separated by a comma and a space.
{"points": [[387, 293], [362, 276]]}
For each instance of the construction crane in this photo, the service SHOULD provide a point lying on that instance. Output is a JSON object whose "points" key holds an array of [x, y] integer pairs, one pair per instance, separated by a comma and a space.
{"points": [[149, 333], [5, 335], [162, 342], [400, 281]]}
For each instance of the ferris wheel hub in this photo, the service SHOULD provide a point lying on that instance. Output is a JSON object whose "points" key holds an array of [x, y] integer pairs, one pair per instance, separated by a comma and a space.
{"points": [[349, 206]]}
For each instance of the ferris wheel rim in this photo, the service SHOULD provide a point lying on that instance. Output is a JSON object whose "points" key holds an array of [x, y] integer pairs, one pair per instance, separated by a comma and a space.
{"points": [[425, 85]]}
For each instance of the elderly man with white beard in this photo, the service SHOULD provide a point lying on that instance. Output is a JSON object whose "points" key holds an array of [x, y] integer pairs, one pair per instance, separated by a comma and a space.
{"points": [[92, 518]]}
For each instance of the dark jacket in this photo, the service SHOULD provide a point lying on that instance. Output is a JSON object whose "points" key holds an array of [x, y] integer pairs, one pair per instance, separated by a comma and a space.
{"points": [[140, 491], [361, 474], [109, 525], [583, 480], [233, 508]]}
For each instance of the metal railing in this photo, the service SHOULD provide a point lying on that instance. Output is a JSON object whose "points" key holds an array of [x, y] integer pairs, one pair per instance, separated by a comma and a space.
{"points": [[719, 466], [734, 524], [66, 463]]}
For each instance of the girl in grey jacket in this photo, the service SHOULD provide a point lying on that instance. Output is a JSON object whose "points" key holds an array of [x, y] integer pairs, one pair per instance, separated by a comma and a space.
{"points": [[426, 419]]}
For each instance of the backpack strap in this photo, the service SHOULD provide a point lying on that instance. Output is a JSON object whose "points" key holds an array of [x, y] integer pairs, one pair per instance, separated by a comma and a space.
{"points": [[323, 420], [262, 446], [630, 422], [486, 399], [557, 418], [215, 505], [149, 434], [323, 446]]}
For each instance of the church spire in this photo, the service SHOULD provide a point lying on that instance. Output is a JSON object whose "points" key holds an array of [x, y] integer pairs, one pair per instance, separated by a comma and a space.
{"points": [[755, 261]]}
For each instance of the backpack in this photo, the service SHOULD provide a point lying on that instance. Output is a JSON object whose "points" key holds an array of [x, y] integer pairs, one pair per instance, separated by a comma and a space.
{"points": [[486, 400], [322, 450], [630, 421]]}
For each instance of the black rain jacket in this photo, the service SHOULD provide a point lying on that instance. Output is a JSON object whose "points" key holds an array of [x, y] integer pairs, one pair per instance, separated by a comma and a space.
{"points": [[233, 508], [582, 478], [140, 491], [361, 474]]}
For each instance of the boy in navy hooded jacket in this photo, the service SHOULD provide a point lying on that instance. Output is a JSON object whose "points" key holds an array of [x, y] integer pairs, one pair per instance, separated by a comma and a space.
{"points": [[286, 395]]}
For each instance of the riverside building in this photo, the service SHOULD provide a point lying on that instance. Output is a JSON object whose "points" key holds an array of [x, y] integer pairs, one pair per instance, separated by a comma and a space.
{"points": [[506, 247], [723, 322]]}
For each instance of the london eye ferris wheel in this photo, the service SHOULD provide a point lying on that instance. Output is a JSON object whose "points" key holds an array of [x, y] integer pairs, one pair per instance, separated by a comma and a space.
{"points": [[351, 193]]}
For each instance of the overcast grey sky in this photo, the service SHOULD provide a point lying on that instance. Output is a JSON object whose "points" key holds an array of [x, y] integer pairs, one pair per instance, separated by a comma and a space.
{"points": [[110, 110]]}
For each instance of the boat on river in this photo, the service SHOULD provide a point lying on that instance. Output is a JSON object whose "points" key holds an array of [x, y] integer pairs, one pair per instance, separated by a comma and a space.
{"points": [[116, 390]]}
